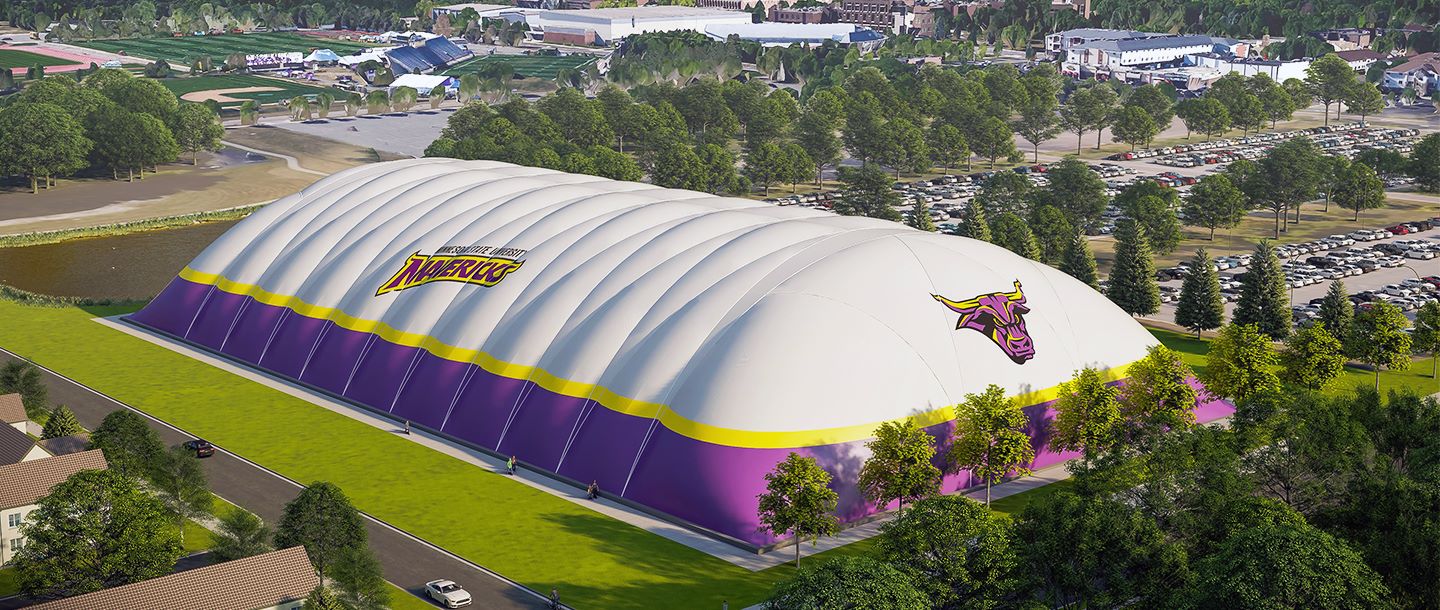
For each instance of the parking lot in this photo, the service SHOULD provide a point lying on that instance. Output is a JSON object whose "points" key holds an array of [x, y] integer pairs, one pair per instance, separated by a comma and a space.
{"points": [[1375, 264]]}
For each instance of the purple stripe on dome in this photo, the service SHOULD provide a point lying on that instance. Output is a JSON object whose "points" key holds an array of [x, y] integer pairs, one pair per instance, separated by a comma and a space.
{"points": [[710, 485]]}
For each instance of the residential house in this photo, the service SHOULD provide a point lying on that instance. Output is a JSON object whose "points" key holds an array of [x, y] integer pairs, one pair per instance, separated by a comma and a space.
{"points": [[65, 445], [1422, 72], [278, 580], [12, 412], [1360, 60], [23, 484], [17, 446]]}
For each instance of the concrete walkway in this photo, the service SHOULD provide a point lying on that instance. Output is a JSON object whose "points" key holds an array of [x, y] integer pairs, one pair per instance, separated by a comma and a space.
{"points": [[670, 531]]}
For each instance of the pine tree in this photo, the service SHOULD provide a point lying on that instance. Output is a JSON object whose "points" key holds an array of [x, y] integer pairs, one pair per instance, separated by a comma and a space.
{"points": [[1337, 313], [1132, 279], [975, 226], [1013, 233], [1079, 262], [1262, 295], [1200, 307], [920, 217], [62, 422]]}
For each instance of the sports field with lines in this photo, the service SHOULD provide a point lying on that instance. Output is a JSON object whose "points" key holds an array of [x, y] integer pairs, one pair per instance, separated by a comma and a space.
{"points": [[12, 58], [182, 50], [530, 66], [235, 88]]}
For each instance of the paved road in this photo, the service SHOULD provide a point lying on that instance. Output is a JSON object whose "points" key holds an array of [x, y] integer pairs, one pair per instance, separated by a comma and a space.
{"points": [[407, 561]]}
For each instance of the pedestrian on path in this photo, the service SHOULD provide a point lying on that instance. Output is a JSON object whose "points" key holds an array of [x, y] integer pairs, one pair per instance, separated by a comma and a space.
{"points": [[511, 465], [554, 598], [407, 426], [593, 491]]}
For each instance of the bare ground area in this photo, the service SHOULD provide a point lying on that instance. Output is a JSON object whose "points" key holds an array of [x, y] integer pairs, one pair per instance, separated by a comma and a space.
{"points": [[177, 189], [222, 95], [312, 152]]}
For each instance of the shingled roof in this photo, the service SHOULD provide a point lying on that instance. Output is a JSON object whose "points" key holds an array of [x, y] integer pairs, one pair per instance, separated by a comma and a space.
{"points": [[26, 482], [14, 446], [12, 410], [262, 581]]}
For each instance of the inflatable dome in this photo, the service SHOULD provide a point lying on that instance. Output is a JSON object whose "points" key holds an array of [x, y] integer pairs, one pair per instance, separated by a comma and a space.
{"points": [[671, 345]]}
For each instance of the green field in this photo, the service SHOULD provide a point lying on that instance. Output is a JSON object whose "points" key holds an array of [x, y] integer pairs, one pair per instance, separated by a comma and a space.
{"points": [[181, 50], [532, 66], [520, 532], [10, 58], [287, 89]]}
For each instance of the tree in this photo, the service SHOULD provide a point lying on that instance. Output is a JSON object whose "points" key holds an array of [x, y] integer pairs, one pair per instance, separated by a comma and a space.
{"points": [[143, 96], [947, 146], [1426, 337], [321, 598], [1247, 113], [1154, 102], [677, 166], [1011, 232], [1091, 552], [404, 98], [300, 108], [1087, 110], [1134, 126], [1358, 188], [1132, 279], [1424, 162], [469, 88], [377, 102], [989, 438], [1329, 79], [197, 128], [614, 165], [974, 224], [848, 582], [1087, 415], [798, 500], [130, 445], [180, 483], [21, 377], [1381, 340], [1275, 102], [816, 127], [241, 535], [1262, 294], [1337, 313], [992, 139], [436, 98], [1038, 123], [353, 102], [40, 140], [95, 530], [62, 422], [1156, 213], [1205, 115], [321, 519], [1158, 397], [1079, 262], [920, 217], [582, 122], [1200, 307], [1053, 233], [867, 193], [1076, 190], [900, 466], [1239, 364], [1363, 99], [1214, 203], [957, 552], [798, 164], [1286, 566], [1312, 358], [1006, 192], [357, 575], [765, 165]]}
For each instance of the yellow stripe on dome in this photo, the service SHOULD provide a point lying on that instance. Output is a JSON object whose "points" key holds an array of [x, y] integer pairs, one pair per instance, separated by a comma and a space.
{"points": [[730, 437]]}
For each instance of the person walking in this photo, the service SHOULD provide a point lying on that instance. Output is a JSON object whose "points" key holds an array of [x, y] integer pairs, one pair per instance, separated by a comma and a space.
{"points": [[511, 465], [554, 598], [407, 426], [593, 491]]}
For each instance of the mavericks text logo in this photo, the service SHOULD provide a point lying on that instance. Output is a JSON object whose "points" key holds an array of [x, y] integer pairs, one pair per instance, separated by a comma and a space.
{"points": [[999, 316], [480, 265]]}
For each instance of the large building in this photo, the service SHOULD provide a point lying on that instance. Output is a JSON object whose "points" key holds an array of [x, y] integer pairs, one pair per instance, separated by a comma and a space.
{"points": [[607, 26], [1421, 72], [786, 34], [671, 345]]}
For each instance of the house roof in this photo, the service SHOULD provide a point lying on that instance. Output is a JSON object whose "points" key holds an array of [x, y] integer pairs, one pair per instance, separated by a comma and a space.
{"points": [[26, 482], [1359, 55], [14, 445], [65, 445], [12, 410], [261, 581], [1429, 61]]}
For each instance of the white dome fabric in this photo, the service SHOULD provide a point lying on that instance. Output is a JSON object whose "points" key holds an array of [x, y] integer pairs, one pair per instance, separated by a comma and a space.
{"points": [[726, 321]]}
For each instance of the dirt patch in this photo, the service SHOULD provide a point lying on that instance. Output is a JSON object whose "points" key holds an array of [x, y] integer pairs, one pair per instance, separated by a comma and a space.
{"points": [[222, 95], [314, 152]]}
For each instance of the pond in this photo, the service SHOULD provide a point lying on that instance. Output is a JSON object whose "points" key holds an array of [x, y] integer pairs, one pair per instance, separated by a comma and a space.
{"points": [[134, 266]]}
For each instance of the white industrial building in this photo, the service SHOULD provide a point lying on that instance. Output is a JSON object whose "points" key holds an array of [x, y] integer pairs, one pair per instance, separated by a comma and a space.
{"points": [[1275, 69], [1064, 41], [1148, 51], [606, 26], [786, 34]]}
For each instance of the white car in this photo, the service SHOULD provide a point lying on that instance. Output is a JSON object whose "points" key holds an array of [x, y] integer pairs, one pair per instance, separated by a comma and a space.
{"points": [[447, 593]]}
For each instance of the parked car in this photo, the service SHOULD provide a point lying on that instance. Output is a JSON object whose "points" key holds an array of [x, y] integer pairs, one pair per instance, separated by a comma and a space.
{"points": [[201, 447], [447, 593]]}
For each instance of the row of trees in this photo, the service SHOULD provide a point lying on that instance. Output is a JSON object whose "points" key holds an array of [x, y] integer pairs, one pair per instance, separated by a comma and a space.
{"points": [[1307, 500], [111, 120], [102, 529]]}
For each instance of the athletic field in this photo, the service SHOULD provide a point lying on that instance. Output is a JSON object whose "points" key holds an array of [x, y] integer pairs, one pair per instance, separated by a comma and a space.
{"points": [[531, 66], [12, 58], [233, 90], [181, 50]]}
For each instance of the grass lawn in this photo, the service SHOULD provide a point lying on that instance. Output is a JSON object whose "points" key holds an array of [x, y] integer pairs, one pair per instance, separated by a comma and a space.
{"points": [[8, 584], [532, 66], [286, 88], [182, 50], [10, 58], [401, 599]]}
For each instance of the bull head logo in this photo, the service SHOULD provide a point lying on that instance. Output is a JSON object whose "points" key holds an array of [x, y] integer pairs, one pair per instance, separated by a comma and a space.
{"points": [[999, 316]]}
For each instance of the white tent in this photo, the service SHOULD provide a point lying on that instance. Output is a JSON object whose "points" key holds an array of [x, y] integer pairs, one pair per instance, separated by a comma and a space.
{"points": [[422, 83], [321, 55], [360, 58]]}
